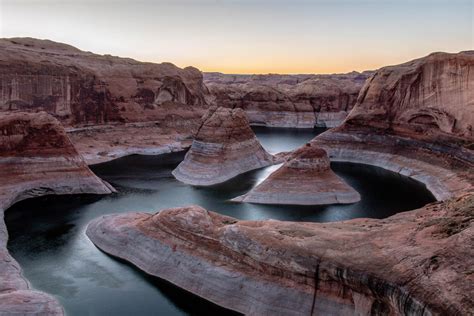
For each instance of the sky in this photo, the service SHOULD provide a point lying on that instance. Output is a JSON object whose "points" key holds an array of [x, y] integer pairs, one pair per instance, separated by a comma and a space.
{"points": [[245, 36]]}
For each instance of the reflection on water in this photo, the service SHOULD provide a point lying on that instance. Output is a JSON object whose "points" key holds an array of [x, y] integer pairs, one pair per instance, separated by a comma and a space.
{"points": [[47, 234]]}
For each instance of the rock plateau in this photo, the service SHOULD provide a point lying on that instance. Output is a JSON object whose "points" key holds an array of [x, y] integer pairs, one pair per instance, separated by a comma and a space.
{"points": [[36, 158], [305, 179], [225, 146], [302, 101], [120, 103]]}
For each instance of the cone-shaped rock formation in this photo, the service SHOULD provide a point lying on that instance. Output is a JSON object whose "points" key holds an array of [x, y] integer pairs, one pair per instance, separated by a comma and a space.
{"points": [[305, 179], [224, 147]]}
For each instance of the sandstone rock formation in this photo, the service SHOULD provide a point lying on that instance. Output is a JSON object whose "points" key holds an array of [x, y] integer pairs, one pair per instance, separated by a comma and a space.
{"points": [[306, 179], [36, 158], [123, 105], [288, 100], [414, 263], [225, 146], [85, 88], [415, 118]]}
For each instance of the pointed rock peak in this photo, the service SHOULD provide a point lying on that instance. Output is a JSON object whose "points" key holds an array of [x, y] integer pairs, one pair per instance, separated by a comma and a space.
{"points": [[225, 146], [305, 179]]}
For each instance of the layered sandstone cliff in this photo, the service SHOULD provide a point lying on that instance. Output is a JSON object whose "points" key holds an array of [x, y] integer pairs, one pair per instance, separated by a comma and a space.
{"points": [[81, 87], [225, 146], [415, 118], [414, 263], [305, 179], [36, 158], [111, 106], [288, 100]]}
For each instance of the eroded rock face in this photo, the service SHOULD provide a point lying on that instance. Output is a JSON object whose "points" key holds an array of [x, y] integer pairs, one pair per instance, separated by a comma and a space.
{"points": [[289, 100], [431, 96], [305, 179], [415, 118], [224, 147], [84, 88], [36, 158], [418, 262]]}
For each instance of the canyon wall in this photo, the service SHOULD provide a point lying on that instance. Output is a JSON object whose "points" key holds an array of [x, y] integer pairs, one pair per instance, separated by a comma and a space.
{"points": [[416, 119], [430, 97], [84, 88], [301, 101], [36, 158]]}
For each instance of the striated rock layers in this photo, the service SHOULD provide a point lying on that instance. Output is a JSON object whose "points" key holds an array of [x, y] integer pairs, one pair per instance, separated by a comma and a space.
{"points": [[36, 158], [121, 105], [81, 87], [417, 119], [301, 101], [225, 146], [414, 263], [305, 179]]}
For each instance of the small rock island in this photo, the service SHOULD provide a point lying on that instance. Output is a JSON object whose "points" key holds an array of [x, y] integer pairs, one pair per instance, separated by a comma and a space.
{"points": [[306, 179]]}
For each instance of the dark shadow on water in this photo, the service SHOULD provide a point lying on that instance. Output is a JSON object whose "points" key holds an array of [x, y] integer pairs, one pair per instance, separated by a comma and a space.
{"points": [[188, 302]]}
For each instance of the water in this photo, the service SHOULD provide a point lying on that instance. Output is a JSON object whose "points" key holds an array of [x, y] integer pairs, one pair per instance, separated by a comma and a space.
{"points": [[47, 234]]}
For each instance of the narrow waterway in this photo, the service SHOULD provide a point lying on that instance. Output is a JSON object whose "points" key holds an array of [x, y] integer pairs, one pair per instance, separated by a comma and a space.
{"points": [[47, 234]]}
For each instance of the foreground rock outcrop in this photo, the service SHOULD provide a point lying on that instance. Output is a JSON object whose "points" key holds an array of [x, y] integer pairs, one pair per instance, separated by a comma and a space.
{"points": [[306, 179], [417, 263], [417, 119], [225, 146], [36, 158], [302, 101]]}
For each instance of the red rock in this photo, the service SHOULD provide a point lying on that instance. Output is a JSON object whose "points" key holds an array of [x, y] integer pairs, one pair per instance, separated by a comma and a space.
{"points": [[36, 158], [418, 262], [305, 179], [81, 87], [416, 119], [288, 100], [225, 146]]}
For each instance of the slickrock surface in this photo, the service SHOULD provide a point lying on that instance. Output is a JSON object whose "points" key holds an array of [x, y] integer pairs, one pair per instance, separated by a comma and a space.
{"points": [[414, 263], [305, 179], [225, 146], [302, 101], [36, 158], [417, 119], [97, 144]]}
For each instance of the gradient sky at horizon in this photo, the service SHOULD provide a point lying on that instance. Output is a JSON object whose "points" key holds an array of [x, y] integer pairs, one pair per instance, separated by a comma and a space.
{"points": [[245, 36]]}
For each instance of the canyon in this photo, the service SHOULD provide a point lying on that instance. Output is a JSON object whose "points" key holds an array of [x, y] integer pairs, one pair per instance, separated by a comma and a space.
{"points": [[62, 109], [407, 119]]}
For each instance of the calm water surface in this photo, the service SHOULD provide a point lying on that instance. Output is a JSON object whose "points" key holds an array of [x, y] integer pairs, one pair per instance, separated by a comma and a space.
{"points": [[47, 234]]}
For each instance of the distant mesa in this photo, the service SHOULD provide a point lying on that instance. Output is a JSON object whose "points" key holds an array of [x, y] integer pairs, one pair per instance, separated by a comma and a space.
{"points": [[225, 146], [305, 179]]}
